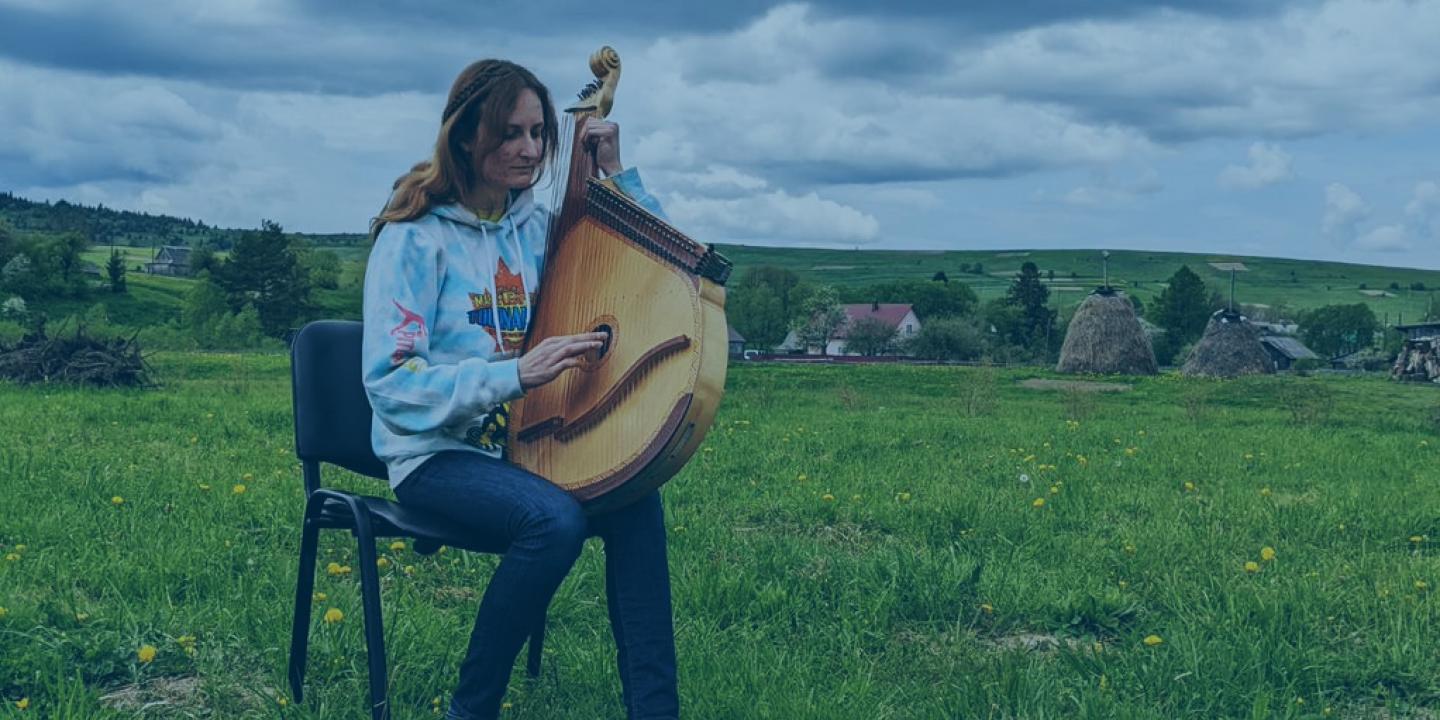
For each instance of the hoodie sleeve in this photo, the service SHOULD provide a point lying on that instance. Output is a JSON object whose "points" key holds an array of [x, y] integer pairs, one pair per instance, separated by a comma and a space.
{"points": [[628, 181], [408, 392]]}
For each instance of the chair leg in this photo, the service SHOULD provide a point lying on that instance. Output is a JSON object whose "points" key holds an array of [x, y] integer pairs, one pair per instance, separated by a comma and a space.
{"points": [[374, 628], [537, 645], [304, 589]]}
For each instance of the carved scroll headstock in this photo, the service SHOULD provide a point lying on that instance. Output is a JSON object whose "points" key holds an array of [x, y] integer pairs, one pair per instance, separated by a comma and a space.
{"points": [[598, 96]]}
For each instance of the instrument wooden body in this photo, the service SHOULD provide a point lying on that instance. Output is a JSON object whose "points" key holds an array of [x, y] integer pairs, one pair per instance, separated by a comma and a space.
{"points": [[633, 413]]}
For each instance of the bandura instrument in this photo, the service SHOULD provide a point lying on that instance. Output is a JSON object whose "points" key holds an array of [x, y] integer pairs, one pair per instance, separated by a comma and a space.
{"points": [[630, 416]]}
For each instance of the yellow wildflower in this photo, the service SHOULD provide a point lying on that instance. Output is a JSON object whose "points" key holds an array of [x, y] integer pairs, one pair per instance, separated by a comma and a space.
{"points": [[79, 616], [1153, 640], [1054, 490], [1265, 492], [987, 608], [248, 477], [335, 568], [397, 546], [382, 563], [23, 703], [1039, 502], [3, 612], [205, 487], [827, 497], [1129, 549], [800, 478], [281, 701], [505, 706], [409, 569], [319, 597], [238, 489], [146, 653], [903, 497], [1421, 585], [1251, 566], [12, 557], [1189, 486], [1130, 452], [854, 498], [333, 615], [117, 500], [1417, 539], [1267, 553]]}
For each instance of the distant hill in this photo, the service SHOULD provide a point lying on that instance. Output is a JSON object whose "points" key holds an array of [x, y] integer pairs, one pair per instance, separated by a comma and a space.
{"points": [[106, 226], [1393, 293]]}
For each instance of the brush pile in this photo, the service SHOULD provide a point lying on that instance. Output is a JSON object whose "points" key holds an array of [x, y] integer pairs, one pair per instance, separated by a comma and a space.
{"points": [[74, 358], [1419, 361]]}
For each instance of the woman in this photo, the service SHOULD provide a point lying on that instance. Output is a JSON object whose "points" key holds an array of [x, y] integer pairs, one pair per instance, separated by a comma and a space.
{"points": [[455, 267]]}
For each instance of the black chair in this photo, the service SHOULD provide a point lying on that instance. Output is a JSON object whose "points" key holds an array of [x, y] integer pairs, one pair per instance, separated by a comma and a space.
{"points": [[332, 425]]}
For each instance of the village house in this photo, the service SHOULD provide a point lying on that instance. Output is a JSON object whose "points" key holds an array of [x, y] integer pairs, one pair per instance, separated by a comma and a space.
{"points": [[737, 342], [900, 316], [173, 260]]}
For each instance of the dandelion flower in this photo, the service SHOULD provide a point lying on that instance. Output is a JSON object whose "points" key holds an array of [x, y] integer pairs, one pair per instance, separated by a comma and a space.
{"points": [[319, 597], [505, 706], [1189, 486], [281, 701], [23, 703], [3, 612], [1054, 490], [987, 608], [903, 497], [1421, 585], [1153, 640], [1130, 452], [1129, 549], [827, 497], [239, 489], [117, 500], [1265, 492], [1251, 566], [1417, 539], [397, 546], [79, 616], [333, 615], [1267, 553], [1039, 502], [335, 568], [12, 557], [409, 569], [247, 477], [382, 563], [801, 478], [146, 653]]}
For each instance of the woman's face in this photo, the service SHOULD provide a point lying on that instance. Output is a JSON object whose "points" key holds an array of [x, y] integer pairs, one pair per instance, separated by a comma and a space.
{"points": [[513, 165]]}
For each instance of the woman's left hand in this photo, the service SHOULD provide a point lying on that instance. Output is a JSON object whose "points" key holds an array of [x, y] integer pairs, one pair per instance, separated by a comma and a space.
{"points": [[604, 137]]}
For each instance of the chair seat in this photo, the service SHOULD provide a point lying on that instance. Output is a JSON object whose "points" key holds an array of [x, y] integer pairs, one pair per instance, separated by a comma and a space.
{"points": [[391, 519]]}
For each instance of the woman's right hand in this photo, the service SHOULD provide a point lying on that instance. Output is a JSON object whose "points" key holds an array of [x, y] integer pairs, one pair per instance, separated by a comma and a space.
{"points": [[554, 355]]}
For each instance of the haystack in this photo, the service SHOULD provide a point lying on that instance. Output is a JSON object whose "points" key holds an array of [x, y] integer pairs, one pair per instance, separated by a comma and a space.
{"points": [[1105, 336], [1230, 347], [1419, 360]]}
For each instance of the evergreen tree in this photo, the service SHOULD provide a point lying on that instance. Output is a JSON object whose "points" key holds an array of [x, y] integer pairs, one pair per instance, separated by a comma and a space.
{"points": [[115, 269], [263, 270], [1183, 308], [1036, 321]]}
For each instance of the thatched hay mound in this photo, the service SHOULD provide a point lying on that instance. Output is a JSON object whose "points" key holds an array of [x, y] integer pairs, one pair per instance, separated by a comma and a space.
{"points": [[74, 358], [1230, 348], [1106, 337]]}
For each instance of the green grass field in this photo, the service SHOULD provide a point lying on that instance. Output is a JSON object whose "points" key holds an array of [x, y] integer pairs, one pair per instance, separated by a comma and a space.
{"points": [[850, 542]]}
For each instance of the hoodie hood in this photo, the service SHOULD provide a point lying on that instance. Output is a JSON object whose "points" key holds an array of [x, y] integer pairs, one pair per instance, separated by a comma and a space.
{"points": [[521, 206]]}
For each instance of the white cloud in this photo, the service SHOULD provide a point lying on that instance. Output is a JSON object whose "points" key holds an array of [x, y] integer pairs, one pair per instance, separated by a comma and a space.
{"points": [[1386, 238], [774, 217], [1344, 210], [1423, 211], [1268, 165]]}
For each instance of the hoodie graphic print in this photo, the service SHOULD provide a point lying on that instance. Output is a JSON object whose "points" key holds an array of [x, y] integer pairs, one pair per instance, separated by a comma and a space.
{"points": [[447, 305]]}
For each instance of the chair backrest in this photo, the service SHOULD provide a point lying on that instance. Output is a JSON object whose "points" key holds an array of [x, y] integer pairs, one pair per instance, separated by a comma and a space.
{"points": [[332, 413]]}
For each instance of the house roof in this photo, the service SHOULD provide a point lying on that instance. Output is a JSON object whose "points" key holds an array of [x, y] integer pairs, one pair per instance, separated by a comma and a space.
{"points": [[889, 313], [178, 254], [1289, 347], [735, 336]]}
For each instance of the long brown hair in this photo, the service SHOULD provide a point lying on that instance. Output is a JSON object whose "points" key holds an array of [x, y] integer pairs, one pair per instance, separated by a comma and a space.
{"points": [[482, 96]]}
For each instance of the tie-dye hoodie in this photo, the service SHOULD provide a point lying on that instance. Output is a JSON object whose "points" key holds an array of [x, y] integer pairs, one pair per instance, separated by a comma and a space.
{"points": [[440, 359]]}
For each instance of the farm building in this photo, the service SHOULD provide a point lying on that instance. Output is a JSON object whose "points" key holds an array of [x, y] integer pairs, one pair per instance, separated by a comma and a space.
{"points": [[737, 342], [1419, 359], [171, 260], [1105, 336], [1284, 351], [900, 316]]}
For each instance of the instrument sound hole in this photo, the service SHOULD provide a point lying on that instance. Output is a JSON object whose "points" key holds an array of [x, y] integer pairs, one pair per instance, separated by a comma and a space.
{"points": [[605, 344]]}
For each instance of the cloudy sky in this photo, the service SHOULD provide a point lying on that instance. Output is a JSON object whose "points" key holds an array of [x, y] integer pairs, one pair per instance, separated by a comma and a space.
{"points": [[1265, 127]]}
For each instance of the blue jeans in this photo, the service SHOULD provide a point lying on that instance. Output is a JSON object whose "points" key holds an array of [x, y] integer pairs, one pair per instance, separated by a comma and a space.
{"points": [[540, 528]]}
